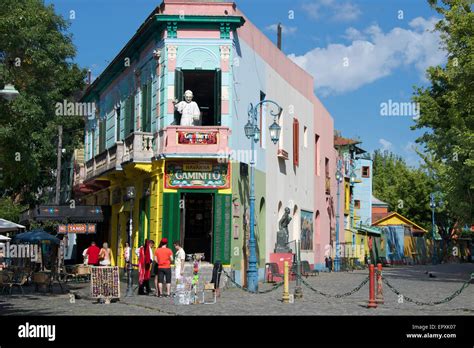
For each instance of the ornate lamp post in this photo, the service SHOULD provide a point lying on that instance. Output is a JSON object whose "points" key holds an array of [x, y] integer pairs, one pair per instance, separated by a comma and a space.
{"points": [[435, 201], [338, 180], [252, 132], [130, 196], [352, 180]]}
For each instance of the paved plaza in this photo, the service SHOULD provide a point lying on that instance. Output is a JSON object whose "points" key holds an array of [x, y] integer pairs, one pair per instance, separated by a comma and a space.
{"points": [[411, 281]]}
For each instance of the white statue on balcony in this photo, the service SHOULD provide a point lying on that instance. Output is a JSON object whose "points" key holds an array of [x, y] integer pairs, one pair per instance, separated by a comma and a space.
{"points": [[189, 110]]}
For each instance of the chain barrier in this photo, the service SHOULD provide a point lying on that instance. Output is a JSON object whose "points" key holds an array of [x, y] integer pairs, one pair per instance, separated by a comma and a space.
{"points": [[349, 293], [421, 303], [275, 287]]}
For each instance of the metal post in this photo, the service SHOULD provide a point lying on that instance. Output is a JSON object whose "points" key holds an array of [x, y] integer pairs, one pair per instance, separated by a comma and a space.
{"points": [[130, 243], [58, 166], [286, 294], [372, 303], [336, 259], [433, 258], [379, 295], [298, 288], [252, 273]]}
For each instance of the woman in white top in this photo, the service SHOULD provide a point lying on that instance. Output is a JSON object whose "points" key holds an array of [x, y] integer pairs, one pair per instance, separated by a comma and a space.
{"points": [[104, 255], [179, 261]]}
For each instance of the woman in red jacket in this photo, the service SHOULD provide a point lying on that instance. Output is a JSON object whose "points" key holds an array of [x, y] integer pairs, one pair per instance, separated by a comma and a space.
{"points": [[144, 267]]}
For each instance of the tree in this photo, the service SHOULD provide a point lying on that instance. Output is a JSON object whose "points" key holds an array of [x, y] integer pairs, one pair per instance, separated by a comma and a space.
{"points": [[446, 110], [405, 189], [36, 55]]}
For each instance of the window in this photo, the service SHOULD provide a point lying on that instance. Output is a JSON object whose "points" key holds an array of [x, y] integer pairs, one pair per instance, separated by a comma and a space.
{"points": [[206, 86], [146, 107], [296, 142], [305, 136], [102, 135], [317, 153], [129, 115], [117, 124], [357, 204], [366, 172]]}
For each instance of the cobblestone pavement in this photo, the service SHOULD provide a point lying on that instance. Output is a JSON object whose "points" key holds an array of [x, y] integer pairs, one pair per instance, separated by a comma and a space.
{"points": [[411, 281]]}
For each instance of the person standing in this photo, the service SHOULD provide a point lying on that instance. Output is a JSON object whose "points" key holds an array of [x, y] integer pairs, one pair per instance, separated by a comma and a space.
{"points": [[104, 255], [144, 267], [180, 258], [126, 254], [163, 259], [93, 255]]}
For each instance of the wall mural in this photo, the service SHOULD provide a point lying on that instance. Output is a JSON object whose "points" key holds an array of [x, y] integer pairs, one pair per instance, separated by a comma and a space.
{"points": [[306, 236]]}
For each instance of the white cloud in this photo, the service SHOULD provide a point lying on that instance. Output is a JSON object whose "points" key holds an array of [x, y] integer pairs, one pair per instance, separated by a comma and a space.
{"points": [[354, 34], [337, 11], [285, 30], [386, 145], [340, 68]]}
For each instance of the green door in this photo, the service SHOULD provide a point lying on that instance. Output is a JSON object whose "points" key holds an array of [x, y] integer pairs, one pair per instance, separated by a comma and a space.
{"points": [[171, 217]]}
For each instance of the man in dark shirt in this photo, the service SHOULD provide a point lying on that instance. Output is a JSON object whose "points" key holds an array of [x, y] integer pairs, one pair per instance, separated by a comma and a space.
{"points": [[93, 255]]}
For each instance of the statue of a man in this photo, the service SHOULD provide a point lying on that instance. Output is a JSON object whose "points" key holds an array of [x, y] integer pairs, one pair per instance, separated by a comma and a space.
{"points": [[189, 110], [282, 235]]}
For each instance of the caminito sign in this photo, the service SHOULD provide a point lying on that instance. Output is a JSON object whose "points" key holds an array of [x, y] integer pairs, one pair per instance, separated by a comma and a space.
{"points": [[197, 175], [77, 228]]}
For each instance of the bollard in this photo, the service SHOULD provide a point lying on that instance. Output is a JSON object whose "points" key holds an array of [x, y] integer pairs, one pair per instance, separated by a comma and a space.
{"points": [[372, 303], [379, 296], [286, 294]]}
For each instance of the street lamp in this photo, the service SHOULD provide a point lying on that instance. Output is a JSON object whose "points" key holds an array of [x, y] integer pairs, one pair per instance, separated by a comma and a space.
{"points": [[130, 196], [253, 133], [338, 180], [9, 92], [352, 179], [435, 201]]}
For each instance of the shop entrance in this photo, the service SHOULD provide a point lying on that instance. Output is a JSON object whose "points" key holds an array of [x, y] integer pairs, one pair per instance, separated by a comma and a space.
{"points": [[197, 223]]}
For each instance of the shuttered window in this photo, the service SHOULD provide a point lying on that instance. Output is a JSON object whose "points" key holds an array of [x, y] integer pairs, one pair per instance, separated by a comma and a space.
{"points": [[296, 142], [101, 135], [146, 107], [129, 115]]}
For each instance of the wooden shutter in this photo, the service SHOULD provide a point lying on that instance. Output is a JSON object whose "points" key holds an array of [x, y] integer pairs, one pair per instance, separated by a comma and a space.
{"points": [[171, 221], [296, 142], [146, 107], [132, 114], [101, 135], [117, 125], [178, 91], [126, 122], [217, 97]]}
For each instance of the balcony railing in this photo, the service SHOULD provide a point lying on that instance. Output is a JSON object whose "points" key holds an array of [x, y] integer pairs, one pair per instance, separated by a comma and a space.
{"points": [[138, 147], [103, 162], [143, 146], [192, 140]]}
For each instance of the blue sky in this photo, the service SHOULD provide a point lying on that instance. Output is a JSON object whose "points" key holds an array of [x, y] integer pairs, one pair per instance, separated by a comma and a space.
{"points": [[361, 53]]}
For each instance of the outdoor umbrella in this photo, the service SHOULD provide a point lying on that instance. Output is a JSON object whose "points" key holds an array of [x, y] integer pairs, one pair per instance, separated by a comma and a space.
{"points": [[8, 226], [4, 239], [34, 236]]}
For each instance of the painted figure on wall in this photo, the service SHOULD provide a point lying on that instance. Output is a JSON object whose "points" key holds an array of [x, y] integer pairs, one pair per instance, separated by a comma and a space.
{"points": [[306, 230], [189, 110]]}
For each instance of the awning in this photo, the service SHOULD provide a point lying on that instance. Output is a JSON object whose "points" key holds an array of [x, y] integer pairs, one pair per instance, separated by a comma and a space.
{"points": [[79, 213], [8, 226], [367, 229]]}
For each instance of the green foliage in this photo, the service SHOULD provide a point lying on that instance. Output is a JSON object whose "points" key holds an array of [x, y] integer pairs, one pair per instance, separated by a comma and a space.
{"points": [[9, 210], [36, 56], [446, 110], [405, 189]]}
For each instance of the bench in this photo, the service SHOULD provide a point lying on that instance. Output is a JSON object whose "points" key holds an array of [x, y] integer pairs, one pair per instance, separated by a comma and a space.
{"points": [[306, 269]]}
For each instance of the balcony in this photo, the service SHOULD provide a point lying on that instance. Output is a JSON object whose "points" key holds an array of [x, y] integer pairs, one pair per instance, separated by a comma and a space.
{"points": [[138, 147], [103, 162], [192, 141]]}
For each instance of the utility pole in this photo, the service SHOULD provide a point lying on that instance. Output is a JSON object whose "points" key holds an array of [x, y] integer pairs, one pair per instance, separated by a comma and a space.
{"points": [[58, 173]]}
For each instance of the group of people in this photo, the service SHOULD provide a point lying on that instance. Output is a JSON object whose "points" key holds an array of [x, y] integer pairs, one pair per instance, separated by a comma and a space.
{"points": [[94, 256], [158, 262]]}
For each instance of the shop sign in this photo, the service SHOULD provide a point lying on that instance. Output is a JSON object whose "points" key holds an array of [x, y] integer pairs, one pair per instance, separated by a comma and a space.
{"points": [[197, 138], [77, 228], [197, 175]]}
